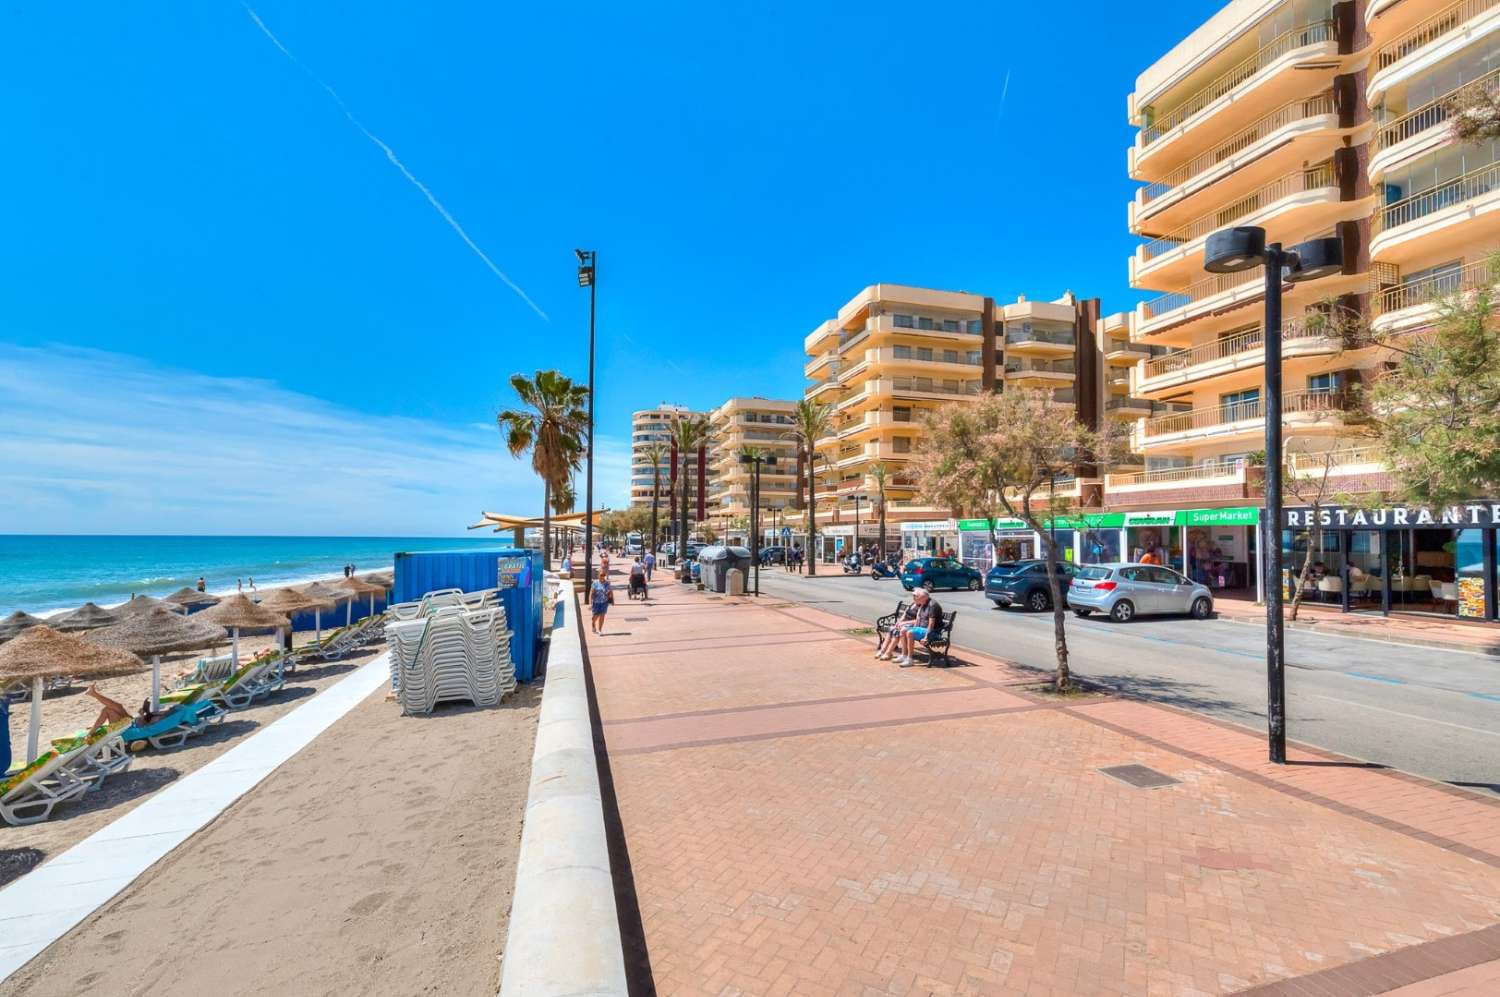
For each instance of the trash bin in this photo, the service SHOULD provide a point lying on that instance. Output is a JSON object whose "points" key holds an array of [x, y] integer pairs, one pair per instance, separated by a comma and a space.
{"points": [[716, 563]]}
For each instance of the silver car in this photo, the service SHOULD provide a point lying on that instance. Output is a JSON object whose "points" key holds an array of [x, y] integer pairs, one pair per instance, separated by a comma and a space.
{"points": [[1125, 591]]}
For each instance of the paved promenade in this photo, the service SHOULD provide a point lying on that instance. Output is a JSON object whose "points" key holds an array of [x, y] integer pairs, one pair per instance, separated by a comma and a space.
{"points": [[801, 818]]}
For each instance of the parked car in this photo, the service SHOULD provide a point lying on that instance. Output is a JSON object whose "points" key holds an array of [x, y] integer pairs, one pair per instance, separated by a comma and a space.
{"points": [[1125, 591], [1024, 583], [694, 548], [940, 573], [773, 555]]}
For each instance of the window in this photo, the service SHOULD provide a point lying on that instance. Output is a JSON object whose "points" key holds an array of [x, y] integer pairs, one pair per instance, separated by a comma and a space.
{"points": [[976, 356], [903, 353], [974, 325], [901, 444], [901, 413], [950, 356], [1241, 404], [950, 325], [924, 353], [902, 321], [923, 322], [1327, 384], [1161, 576]]}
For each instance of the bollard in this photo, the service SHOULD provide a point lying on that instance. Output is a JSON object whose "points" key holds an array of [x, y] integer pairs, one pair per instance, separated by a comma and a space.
{"points": [[735, 582]]}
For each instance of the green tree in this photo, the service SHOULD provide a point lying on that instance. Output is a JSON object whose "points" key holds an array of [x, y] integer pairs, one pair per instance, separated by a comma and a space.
{"points": [[551, 425], [656, 452], [689, 432], [1001, 454], [811, 422]]}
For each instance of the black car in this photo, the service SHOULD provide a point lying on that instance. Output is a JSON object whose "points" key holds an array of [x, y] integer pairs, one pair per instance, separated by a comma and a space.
{"points": [[1024, 583], [773, 555]]}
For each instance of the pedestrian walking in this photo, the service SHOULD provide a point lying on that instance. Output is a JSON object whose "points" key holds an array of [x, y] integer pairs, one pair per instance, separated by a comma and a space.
{"points": [[650, 563], [601, 597]]}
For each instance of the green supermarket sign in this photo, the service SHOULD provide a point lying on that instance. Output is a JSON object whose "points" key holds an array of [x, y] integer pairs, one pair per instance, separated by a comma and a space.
{"points": [[983, 525]]}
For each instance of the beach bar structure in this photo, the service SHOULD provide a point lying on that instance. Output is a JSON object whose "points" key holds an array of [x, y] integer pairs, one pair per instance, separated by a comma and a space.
{"points": [[515, 571]]}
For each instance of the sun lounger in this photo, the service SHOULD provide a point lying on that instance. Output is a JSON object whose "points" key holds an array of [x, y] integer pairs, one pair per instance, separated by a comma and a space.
{"points": [[179, 724], [30, 795]]}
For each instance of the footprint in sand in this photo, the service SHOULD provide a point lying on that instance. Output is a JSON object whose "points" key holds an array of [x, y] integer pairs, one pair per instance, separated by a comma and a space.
{"points": [[368, 905]]}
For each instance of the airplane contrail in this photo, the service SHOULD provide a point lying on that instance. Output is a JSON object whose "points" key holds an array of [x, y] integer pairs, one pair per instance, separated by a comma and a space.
{"points": [[1004, 91], [395, 161]]}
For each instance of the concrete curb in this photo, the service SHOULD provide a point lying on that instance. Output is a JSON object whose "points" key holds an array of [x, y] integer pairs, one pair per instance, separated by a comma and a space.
{"points": [[564, 934]]}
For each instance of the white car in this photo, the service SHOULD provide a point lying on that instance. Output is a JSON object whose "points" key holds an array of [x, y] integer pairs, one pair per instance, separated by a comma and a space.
{"points": [[1125, 591]]}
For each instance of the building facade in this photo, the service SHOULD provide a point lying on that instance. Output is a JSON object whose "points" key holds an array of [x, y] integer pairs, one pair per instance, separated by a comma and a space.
{"points": [[893, 352], [1309, 118], [650, 426], [761, 423]]}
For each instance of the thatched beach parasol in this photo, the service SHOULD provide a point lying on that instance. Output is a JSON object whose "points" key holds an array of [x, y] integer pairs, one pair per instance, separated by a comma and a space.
{"points": [[189, 598], [16, 622], [85, 617], [289, 602], [328, 597], [143, 604], [356, 587], [159, 632], [238, 613], [41, 653]]}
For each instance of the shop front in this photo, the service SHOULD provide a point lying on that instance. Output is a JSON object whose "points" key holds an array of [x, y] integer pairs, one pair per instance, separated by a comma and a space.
{"points": [[1213, 546], [930, 538], [835, 542], [1396, 558], [1013, 541]]}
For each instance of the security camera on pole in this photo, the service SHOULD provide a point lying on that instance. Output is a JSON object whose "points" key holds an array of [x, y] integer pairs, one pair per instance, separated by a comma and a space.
{"points": [[1234, 250]]}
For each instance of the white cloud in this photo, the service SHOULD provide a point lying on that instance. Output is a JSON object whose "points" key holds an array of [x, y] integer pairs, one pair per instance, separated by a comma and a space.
{"points": [[94, 442]]}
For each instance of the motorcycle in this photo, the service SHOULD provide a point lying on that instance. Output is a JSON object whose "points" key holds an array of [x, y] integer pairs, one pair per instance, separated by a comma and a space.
{"points": [[852, 565], [882, 569]]}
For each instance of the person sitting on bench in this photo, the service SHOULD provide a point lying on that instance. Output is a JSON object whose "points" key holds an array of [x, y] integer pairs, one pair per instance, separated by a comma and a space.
{"points": [[892, 642], [922, 617]]}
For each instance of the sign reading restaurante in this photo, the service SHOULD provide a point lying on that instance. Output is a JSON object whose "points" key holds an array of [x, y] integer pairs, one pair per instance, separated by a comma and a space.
{"points": [[1481, 514]]}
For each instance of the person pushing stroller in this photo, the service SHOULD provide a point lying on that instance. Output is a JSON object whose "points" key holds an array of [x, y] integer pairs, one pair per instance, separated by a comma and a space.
{"points": [[638, 588]]}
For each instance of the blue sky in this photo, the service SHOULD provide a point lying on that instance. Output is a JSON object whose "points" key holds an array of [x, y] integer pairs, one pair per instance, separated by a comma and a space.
{"points": [[206, 259]]}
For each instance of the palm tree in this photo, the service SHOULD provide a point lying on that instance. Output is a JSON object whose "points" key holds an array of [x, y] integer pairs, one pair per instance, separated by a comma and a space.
{"points": [[563, 498], [689, 432], [551, 425], [811, 422], [656, 452], [880, 474]]}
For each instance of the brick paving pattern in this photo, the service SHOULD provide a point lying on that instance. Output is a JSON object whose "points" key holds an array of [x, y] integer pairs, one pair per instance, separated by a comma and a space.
{"points": [[803, 819]]}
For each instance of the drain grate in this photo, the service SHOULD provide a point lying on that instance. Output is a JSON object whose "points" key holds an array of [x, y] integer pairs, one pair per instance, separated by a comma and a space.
{"points": [[637, 619], [1139, 776]]}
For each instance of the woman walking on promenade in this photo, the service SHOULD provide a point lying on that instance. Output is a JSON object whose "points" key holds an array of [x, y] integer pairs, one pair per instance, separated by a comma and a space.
{"points": [[600, 598]]}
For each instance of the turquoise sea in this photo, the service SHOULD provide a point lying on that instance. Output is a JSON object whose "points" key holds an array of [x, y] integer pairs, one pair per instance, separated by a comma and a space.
{"points": [[40, 574]]}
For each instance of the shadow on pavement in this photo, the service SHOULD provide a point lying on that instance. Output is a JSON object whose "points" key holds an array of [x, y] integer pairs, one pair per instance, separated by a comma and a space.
{"points": [[1186, 695]]}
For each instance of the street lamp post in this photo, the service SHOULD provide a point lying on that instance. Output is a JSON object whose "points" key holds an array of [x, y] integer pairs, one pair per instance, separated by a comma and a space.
{"points": [[756, 462], [587, 267], [1234, 250], [857, 499]]}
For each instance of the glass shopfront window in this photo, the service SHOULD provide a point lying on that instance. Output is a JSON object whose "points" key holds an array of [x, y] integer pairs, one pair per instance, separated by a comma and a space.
{"points": [[1472, 581]]}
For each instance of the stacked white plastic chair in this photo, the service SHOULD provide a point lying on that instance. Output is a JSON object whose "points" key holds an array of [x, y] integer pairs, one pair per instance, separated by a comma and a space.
{"points": [[450, 646]]}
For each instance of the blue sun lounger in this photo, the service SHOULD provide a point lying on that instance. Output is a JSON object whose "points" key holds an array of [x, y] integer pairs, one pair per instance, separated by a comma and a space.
{"points": [[177, 726]]}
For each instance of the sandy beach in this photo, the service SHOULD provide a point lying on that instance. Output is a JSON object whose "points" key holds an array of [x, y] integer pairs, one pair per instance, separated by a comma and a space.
{"points": [[380, 859]]}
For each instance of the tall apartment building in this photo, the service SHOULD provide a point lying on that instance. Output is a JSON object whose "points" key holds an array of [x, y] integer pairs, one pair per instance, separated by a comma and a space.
{"points": [[751, 422], [1309, 118], [655, 426], [893, 352]]}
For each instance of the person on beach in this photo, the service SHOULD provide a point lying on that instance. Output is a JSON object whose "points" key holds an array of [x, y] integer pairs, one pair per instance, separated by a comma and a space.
{"points": [[650, 562], [252, 586], [110, 710], [202, 585], [601, 597], [239, 585]]}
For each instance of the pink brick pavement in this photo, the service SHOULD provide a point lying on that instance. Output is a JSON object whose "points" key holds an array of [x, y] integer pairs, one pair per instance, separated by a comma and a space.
{"points": [[801, 818]]}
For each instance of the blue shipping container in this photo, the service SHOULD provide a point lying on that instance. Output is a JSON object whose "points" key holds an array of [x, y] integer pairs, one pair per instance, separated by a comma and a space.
{"points": [[517, 572]]}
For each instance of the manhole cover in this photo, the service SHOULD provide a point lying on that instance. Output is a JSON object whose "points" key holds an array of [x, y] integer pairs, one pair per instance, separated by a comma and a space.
{"points": [[1139, 776]]}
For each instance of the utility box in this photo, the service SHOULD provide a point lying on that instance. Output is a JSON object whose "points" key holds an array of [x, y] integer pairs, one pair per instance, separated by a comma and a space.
{"points": [[717, 562]]}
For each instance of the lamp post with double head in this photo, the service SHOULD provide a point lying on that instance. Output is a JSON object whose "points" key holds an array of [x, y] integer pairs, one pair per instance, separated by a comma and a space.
{"points": [[587, 273], [1234, 250], [755, 462]]}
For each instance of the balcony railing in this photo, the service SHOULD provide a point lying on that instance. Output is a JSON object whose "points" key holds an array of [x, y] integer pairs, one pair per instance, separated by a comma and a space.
{"points": [[1473, 184], [1021, 337], [1229, 346], [1297, 110], [1428, 289], [1293, 183], [1430, 30], [1307, 34], [936, 387], [1126, 402], [912, 356], [1044, 366], [1126, 346], [1292, 402], [1199, 290], [1177, 475], [1067, 395], [1314, 463], [1430, 114]]}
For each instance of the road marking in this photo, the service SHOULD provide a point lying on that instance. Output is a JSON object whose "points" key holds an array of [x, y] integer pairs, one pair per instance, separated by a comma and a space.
{"points": [[1375, 678], [1408, 716], [1484, 695]]}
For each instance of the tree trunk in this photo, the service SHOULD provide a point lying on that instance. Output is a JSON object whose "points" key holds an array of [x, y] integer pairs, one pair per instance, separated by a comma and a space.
{"points": [[1314, 543], [546, 526], [994, 542], [882, 524], [1064, 678], [812, 514]]}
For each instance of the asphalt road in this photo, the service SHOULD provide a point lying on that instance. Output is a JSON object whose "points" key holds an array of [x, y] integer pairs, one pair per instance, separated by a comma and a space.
{"points": [[1431, 712]]}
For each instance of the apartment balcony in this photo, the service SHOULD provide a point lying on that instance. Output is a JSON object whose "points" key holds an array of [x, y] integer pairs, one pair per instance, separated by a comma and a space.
{"points": [[1206, 482], [1453, 214], [873, 424], [821, 361], [1404, 53], [1238, 421], [1040, 342], [877, 390], [908, 358], [1117, 380], [1366, 460], [1123, 353], [1039, 373], [1304, 200], [1245, 351], [1126, 407], [1305, 130], [1422, 129], [1414, 304], [1300, 59], [884, 326], [824, 336], [823, 391]]}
